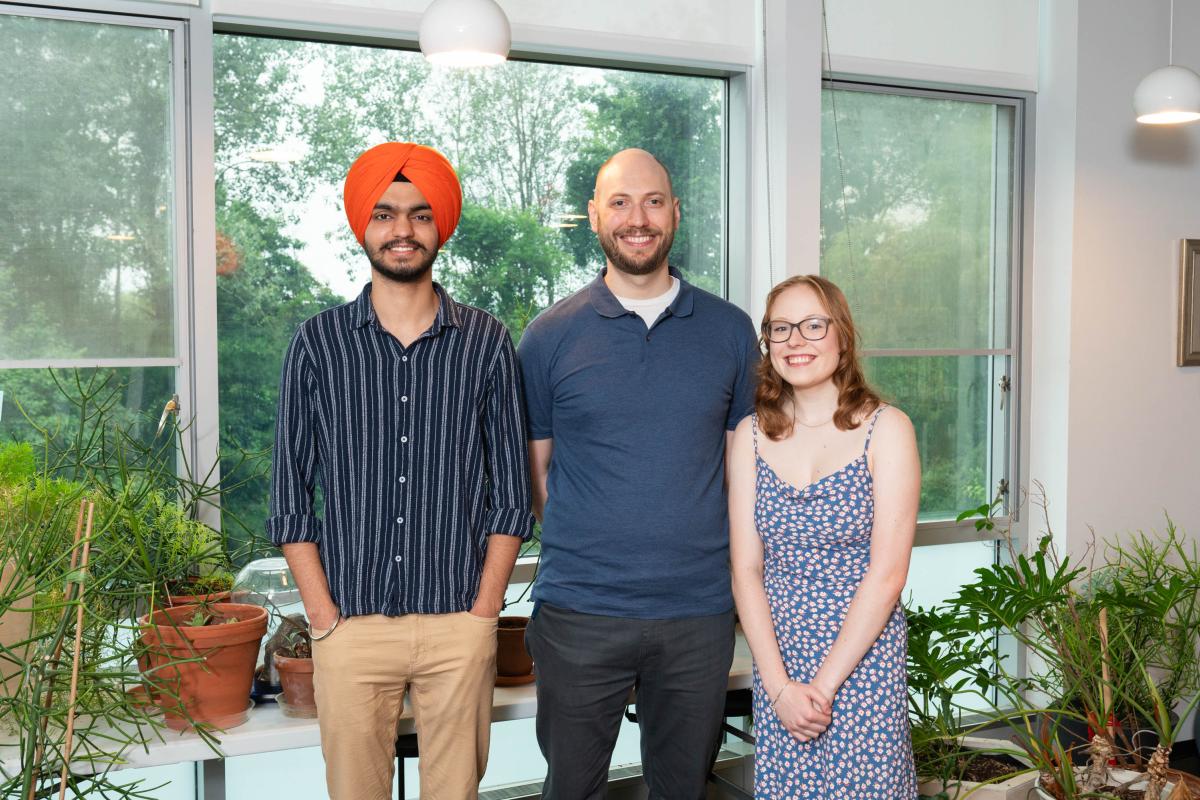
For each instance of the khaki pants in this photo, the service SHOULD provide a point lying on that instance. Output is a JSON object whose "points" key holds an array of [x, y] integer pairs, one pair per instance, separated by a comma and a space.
{"points": [[361, 672]]}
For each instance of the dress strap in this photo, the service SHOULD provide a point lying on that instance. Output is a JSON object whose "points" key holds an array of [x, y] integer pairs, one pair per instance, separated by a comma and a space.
{"points": [[871, 427], [754, 431]]}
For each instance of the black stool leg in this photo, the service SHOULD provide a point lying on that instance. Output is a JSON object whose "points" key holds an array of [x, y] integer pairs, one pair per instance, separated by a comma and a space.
{"points": [[738, 703], [406, 748]]}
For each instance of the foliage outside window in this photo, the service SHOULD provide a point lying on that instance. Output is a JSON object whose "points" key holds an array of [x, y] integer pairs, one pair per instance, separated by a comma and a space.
{"points": [[526, 140], [917, 214], [87, 265]]}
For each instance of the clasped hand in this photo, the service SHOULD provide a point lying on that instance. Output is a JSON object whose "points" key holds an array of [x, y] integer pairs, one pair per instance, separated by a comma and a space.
{"points": [[804, 712]]}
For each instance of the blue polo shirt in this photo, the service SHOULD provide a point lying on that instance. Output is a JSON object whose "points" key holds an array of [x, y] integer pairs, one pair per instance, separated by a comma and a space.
{"points": [[636, 522]]}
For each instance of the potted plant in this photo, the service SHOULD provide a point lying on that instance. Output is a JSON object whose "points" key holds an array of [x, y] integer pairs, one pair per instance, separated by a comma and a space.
{"points": [[188, 557], [201, 661], [73, 659], [289, 651], [514, 665], [1087, 645], [953, 760]]}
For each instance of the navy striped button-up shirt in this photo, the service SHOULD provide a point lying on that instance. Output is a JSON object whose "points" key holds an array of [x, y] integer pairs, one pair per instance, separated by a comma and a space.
{"points": [[420, 450]]}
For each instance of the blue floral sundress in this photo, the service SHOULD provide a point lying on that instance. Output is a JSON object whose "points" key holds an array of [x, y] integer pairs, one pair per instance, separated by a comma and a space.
{"points": [[816, 549]]}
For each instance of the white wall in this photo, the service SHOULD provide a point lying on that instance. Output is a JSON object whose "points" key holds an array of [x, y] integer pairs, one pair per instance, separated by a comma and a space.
{"points": [[1048, 295], [679, 31], [1134, 436], [978, 42]]}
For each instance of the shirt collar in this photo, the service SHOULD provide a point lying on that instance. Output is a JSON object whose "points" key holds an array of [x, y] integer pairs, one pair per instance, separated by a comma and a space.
{"points": [[448, 314], [607, 304]]}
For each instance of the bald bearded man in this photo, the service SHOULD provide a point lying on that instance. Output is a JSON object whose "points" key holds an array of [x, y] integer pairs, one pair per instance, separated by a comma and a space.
{"points": [[406, 406], [632, 387]]}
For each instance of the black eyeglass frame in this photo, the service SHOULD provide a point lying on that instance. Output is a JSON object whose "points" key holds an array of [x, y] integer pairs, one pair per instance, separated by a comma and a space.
{"points": [[766, 329]]}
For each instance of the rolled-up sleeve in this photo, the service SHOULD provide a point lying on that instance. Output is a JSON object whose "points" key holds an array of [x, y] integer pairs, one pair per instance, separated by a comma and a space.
{"points": [[293, 468], [509, 495]]}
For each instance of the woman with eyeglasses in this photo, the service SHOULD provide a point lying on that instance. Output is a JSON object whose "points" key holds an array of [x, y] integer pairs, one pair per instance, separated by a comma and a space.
{"points": [[824, 483]]}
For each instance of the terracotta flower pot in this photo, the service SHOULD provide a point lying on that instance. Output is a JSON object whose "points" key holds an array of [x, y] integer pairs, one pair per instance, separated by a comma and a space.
{"points": [[192, 599], [188, 599], [296, 676], [215, 690], [16, 625], [513, 663]]}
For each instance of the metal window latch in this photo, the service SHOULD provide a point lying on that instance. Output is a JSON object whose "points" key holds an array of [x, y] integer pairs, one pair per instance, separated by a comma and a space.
{"points": [[171, 407], [1005, 388]]}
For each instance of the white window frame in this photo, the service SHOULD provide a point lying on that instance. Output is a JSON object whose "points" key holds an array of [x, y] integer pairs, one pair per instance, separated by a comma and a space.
{"points": [[1005, 361], [183, 360]]}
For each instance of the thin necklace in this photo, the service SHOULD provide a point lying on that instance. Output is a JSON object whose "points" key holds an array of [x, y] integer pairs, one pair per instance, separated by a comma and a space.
{"points": [[797, 421]]}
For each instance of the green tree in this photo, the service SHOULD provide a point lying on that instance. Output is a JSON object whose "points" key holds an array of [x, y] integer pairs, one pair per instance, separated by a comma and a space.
{"points": [[87, 245], [506, 261], [908, 202], [260, 279], [681, 121]]}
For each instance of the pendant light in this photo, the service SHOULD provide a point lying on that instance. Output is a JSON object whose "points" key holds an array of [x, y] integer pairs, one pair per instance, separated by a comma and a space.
{"points": [[465, 33], [1169, 95]]}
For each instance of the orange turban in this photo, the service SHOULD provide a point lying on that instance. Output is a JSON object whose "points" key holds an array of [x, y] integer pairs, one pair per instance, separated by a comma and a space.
{"points": [[375, 170]]}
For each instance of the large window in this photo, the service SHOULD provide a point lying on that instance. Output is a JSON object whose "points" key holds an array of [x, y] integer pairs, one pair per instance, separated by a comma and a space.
{"points": [[88, 209], [526, 139], [90, 256], [919, 191]]}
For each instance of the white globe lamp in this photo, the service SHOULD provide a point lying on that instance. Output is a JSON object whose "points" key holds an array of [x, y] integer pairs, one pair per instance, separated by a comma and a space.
{"points": [[465, 33], [1167, 96], [1170, 95]]}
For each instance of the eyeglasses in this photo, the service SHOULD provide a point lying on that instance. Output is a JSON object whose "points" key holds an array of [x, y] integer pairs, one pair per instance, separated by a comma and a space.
{"points": [[814, 329]]}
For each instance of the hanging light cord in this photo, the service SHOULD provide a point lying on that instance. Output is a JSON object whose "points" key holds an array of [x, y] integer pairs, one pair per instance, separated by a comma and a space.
{"points": [[827, 70], [767, 155], [1171, 37]]}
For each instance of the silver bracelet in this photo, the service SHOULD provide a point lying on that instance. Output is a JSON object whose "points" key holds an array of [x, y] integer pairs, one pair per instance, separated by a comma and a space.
{"points": [[326, 634], [779, 694]]}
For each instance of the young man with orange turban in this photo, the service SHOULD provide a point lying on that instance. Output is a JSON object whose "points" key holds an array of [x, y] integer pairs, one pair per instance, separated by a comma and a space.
{"points": [[406, 406]]}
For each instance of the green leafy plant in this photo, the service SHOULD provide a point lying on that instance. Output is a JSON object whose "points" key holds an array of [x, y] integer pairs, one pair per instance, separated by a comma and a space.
{"points": [[1109, 645], [144, 534]]}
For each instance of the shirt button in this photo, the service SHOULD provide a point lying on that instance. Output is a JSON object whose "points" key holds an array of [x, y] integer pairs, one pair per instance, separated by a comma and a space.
{"points": [[403, 358], [402, 479], [404, 399], [400, 520], [403, 438], [399, 558]]}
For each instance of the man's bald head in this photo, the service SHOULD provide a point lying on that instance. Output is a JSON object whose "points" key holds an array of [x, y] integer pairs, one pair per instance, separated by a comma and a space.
{"points": [[628, 163], [634, 212]]}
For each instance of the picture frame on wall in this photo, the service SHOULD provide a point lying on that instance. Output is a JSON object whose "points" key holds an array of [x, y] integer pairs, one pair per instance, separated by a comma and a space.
{"points": [[1189, 305]]}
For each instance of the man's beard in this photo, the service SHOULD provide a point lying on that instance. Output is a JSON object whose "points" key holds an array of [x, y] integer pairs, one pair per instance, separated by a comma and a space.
{"points": [[407, 274], [652, 260]]}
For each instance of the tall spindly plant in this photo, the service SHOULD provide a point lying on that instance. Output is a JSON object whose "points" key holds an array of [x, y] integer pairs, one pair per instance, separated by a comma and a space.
{"points": [[133, 483]]}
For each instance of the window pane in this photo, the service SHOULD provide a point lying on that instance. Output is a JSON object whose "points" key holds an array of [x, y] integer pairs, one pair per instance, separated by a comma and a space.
{"points": [[916, 208], [949, 399], [49, 399], [86, 198], [526, 140], [936, 572], [168, 782]]}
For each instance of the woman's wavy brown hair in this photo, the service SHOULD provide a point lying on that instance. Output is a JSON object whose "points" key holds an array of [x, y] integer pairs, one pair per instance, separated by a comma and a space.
{"points": [[773, 398]]}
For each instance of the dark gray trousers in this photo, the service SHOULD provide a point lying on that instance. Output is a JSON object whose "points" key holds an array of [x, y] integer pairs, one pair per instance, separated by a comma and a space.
{"points": [[586, 666]]}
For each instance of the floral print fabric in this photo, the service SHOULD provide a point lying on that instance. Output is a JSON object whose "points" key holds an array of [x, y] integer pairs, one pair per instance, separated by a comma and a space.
{"points": [[816, 549]]}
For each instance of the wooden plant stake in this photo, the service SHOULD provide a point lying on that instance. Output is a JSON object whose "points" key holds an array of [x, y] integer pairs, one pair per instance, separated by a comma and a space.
{"points": [[40, 749], [82, 581], [1105, 673]]}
